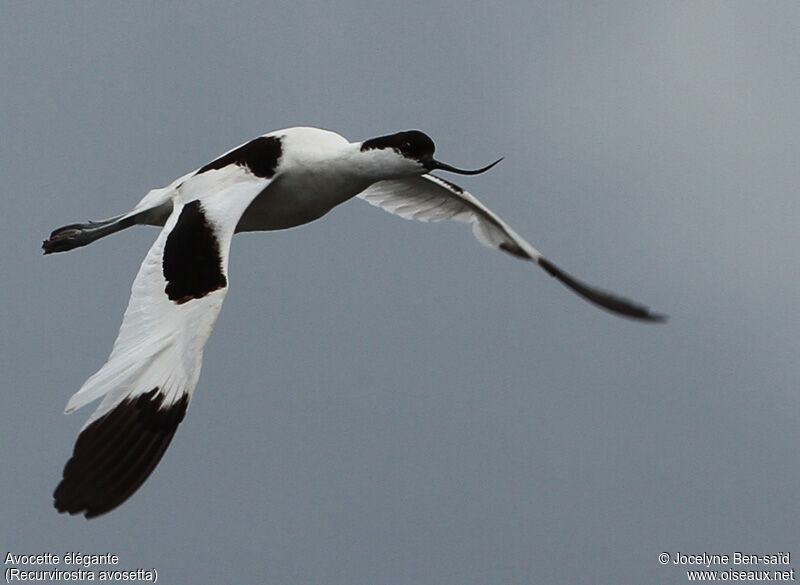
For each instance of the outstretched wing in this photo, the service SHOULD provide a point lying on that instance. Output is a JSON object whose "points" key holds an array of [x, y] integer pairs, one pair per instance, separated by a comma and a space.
{"points": [[431, 198], [150, 376]]}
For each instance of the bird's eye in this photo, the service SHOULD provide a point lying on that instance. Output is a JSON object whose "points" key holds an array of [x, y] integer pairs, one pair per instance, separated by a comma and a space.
{"points": [[406, 146]]}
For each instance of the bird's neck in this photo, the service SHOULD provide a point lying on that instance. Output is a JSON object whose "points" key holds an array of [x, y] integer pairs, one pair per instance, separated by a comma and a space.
{"points": [[378, 164]]}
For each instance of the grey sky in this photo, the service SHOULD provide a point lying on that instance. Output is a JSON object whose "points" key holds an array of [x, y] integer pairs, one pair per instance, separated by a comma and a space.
{"points": [[390, 402]]}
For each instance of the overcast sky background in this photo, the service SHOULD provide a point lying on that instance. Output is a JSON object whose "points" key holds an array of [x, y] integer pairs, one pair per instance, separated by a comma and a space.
{"points": [[389, 402]]}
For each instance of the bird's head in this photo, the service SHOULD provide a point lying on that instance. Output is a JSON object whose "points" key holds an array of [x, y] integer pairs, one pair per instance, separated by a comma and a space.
{"points": [[410, 153]]}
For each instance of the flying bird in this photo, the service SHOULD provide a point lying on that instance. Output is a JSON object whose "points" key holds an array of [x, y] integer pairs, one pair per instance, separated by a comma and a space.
{"points": [[280, 180]]}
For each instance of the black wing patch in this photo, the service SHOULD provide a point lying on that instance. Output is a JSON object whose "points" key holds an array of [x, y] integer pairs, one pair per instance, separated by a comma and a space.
{"points": [[605, 299], [192, 262], [260, 156], [115, 454]]}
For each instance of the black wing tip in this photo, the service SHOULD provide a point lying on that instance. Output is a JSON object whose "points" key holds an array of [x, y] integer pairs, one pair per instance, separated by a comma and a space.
{"points": [[608, 301], [656, 317], [642, 314], [116, 454]]}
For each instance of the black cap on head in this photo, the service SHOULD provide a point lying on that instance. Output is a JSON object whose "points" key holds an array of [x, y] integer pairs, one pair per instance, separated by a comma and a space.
{"points": [[411, 144], [418, 146]]}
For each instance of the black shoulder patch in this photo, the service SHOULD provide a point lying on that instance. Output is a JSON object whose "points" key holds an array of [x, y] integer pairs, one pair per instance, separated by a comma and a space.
{"points": [[260, 156], [115, 454], [411, 144], [192, 263]]}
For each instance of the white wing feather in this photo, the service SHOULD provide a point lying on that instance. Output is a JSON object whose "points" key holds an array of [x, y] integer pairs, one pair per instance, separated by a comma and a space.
{"points": [[154, 366], [160, 343], [430, 198]]}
